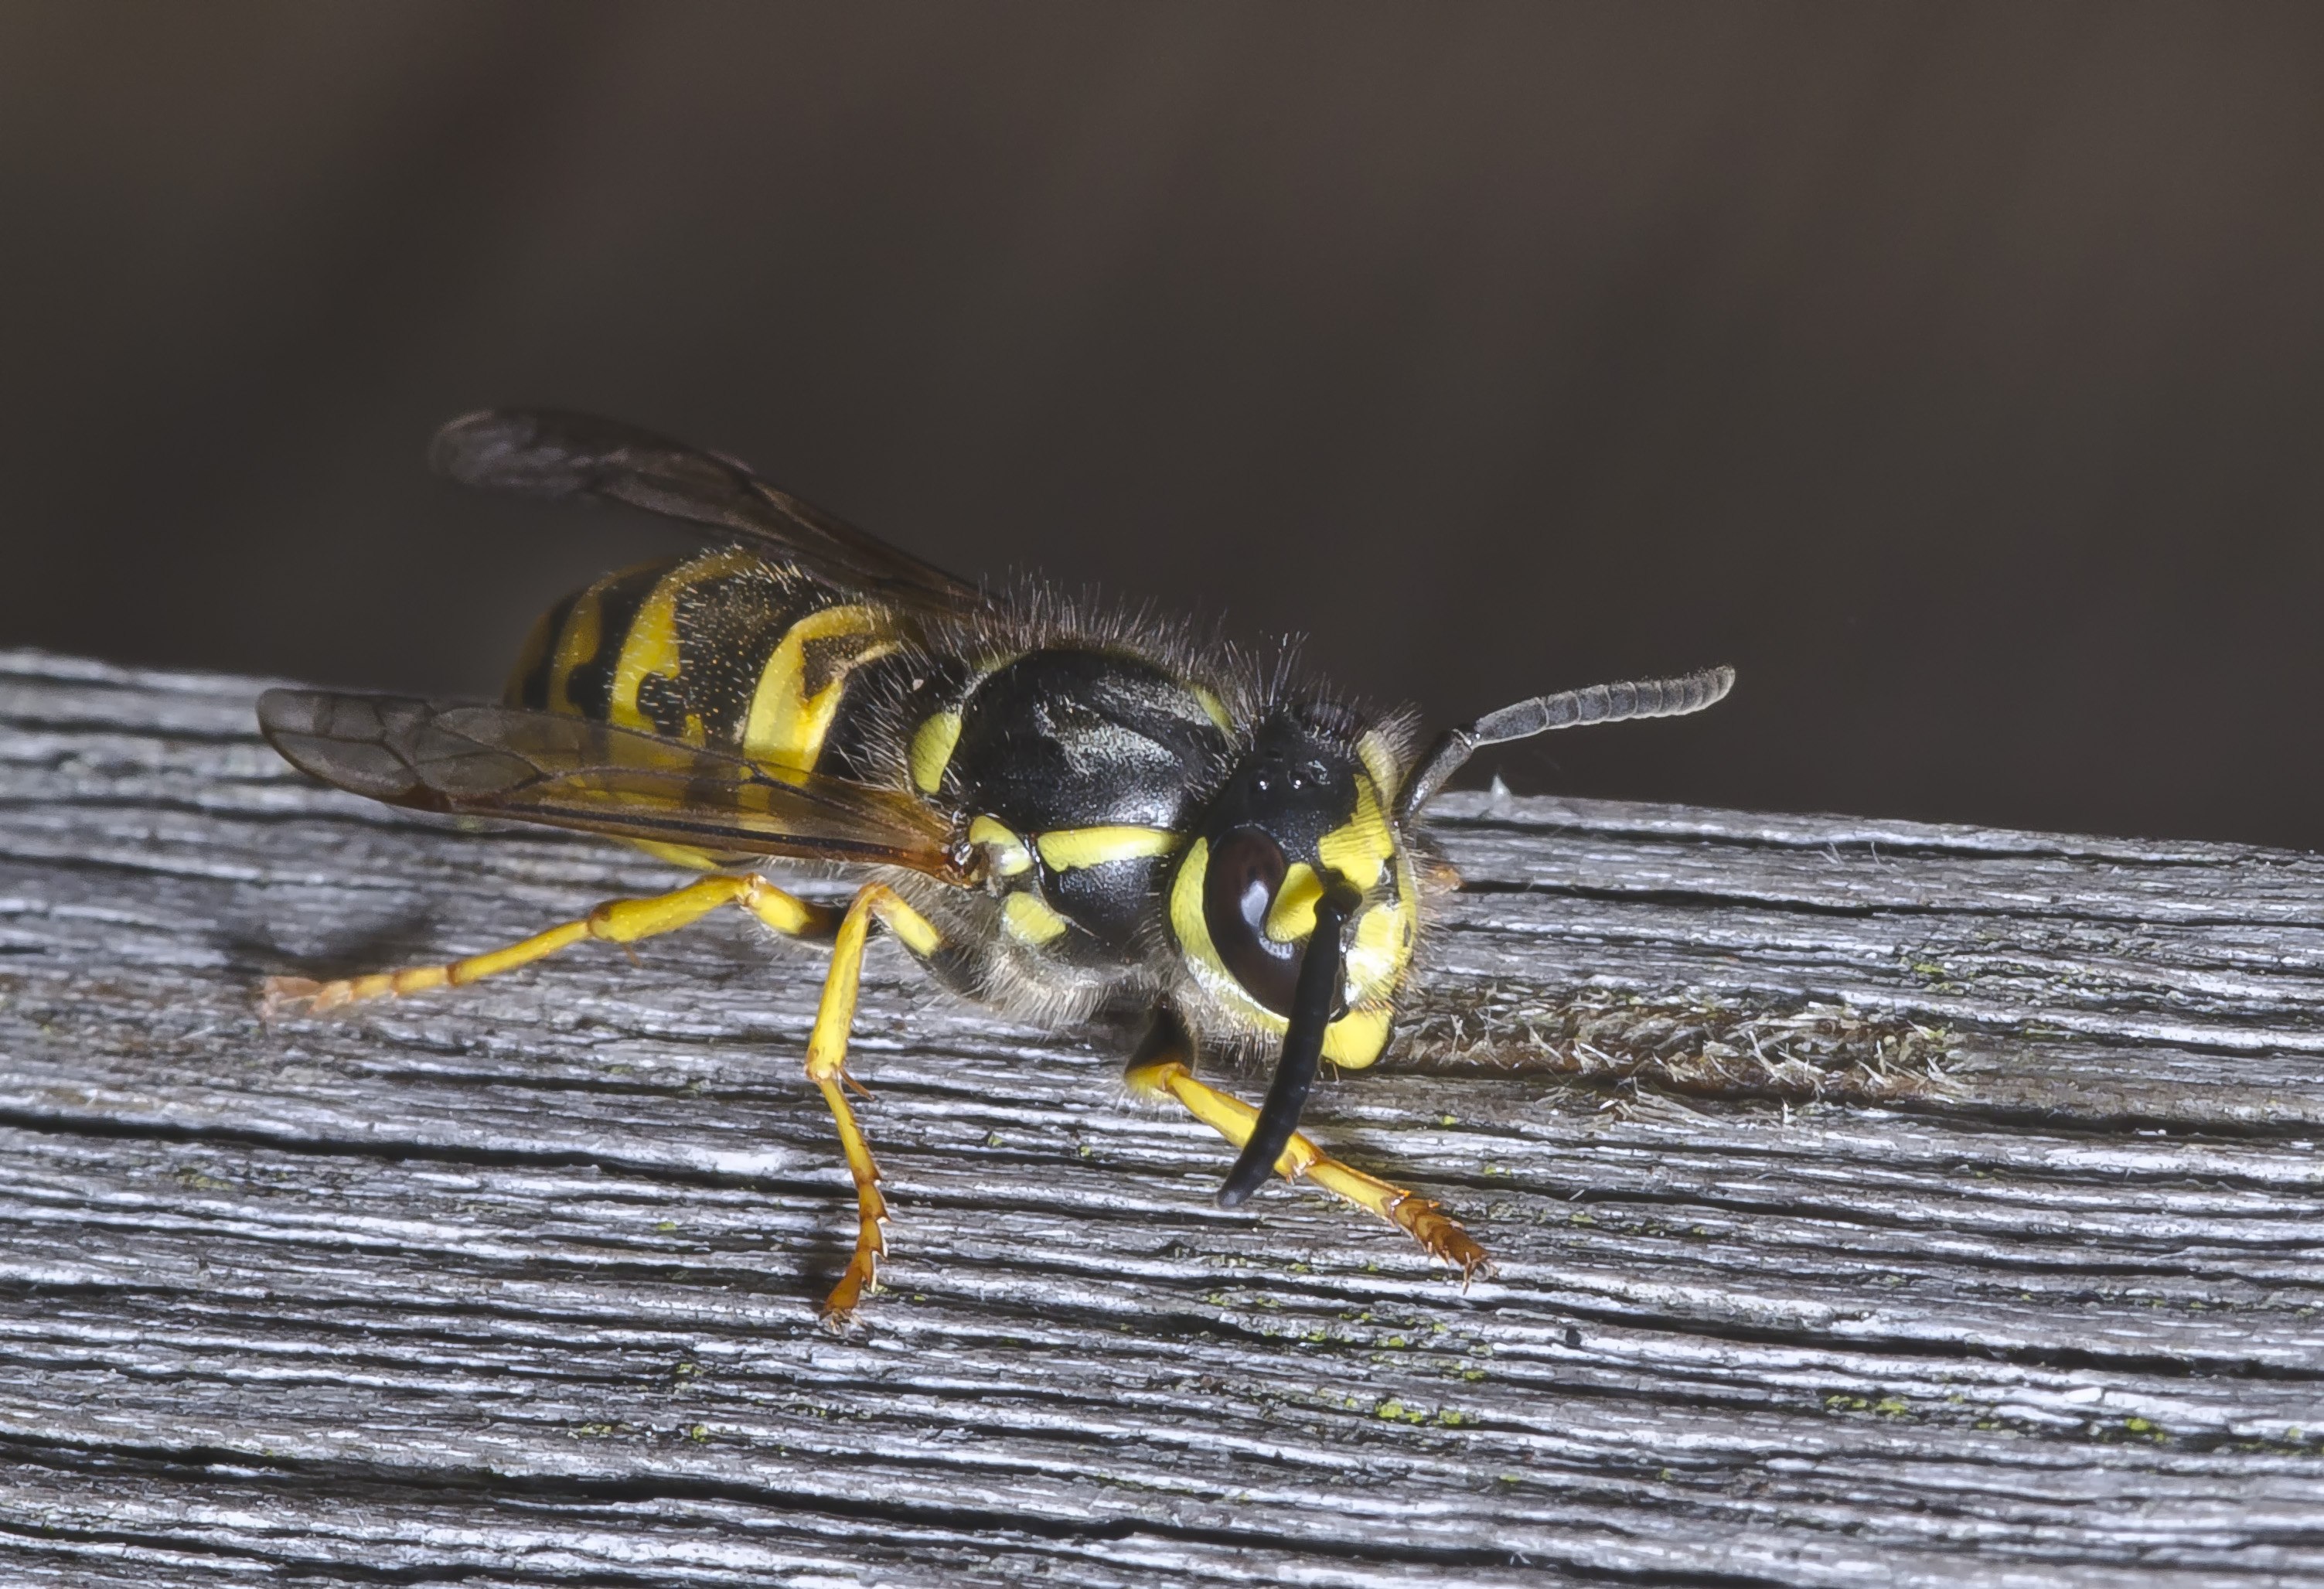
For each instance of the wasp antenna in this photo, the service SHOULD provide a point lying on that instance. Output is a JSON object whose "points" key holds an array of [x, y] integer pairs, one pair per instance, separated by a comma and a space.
{"points": [[1571, 708]]}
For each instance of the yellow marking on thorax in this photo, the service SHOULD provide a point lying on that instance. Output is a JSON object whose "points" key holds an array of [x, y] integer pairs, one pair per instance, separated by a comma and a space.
{"points": [[931, 752], [1291, 916], [1067, 849], [651, 647], [1212, 708], [787, 725], [1011, 858], [1028, 918]]}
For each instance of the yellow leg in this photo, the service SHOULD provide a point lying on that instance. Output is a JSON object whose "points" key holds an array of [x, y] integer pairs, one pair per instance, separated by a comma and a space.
{"points": [[1165, 1075], [620, 921], [827, 1066]]}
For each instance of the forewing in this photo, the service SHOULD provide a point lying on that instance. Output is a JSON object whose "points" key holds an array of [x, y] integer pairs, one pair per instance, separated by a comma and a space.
{"points": [[548, 452], [485, 760]]}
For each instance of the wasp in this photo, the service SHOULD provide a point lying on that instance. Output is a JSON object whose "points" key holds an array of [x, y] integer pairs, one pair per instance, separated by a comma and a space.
{"points": [[1058, 811]]}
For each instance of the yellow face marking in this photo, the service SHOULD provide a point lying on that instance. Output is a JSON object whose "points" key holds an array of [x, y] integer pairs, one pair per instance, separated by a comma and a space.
{"points": [[1375, 964], [1360, 848], [931, 752], [787, 725], [1383, 943], [1067, 849], [1028, 919], [1009, 857], [1382, 952], [1291, 916]]}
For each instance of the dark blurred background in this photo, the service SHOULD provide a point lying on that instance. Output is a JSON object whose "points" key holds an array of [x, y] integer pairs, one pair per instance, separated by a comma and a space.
{"points": [[1955, 371]]}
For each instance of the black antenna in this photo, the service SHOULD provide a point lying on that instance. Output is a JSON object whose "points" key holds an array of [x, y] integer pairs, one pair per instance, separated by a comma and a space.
{"points": [[1314, 999], [1573, 709]]}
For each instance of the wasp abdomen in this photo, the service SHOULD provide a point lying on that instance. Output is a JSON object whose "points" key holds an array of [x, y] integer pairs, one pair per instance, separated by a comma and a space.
{"points": [[724, 650]]}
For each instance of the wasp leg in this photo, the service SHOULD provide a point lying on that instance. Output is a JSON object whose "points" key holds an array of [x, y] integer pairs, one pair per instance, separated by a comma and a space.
{"points": [[826, 1067], [620, 921], [1160, 1069]]}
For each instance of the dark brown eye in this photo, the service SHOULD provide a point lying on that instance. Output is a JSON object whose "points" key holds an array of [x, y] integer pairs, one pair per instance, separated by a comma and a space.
{"points": [[1238, 888]]}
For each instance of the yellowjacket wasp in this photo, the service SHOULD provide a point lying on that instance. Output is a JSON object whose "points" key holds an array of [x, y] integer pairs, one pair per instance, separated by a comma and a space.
{"points": [[1057, 812]]}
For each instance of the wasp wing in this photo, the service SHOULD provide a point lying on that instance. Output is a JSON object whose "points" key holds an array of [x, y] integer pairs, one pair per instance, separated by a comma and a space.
{"points": [[548, 452], [484, 761]]}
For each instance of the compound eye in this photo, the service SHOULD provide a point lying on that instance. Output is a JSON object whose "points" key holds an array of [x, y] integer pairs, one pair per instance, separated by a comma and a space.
{"points": [[1238, 887]]}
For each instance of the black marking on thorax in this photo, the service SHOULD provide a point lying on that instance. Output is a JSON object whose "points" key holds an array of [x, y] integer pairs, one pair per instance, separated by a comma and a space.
{"points": [[1070, 738], [904, 687], [1074, 738]]}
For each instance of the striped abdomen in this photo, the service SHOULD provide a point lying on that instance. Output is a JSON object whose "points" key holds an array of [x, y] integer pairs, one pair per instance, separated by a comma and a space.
{"points": [[722, 650]]}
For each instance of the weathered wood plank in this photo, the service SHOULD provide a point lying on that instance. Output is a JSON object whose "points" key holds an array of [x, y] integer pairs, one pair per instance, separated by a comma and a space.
{"points": [[1873, 1201]]}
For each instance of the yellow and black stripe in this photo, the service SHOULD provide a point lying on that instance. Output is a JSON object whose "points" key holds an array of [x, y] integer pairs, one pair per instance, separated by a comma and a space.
{"points": [[723, 649]]}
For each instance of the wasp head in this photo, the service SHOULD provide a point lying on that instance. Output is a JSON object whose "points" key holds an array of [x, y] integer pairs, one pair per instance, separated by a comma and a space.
{"points": [[1295, 905], [1304, 818]]}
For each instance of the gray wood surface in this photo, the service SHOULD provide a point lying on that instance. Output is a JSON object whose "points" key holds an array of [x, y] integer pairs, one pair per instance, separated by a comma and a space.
{"points": [[1873, 1202]]}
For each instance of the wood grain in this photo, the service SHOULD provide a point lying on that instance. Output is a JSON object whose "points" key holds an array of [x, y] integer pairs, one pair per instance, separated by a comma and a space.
{"points": [[1873, 1202]]}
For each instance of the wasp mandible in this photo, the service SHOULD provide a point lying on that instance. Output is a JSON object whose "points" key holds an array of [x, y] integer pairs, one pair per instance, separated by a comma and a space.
{"points": [[1055, 810]]}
